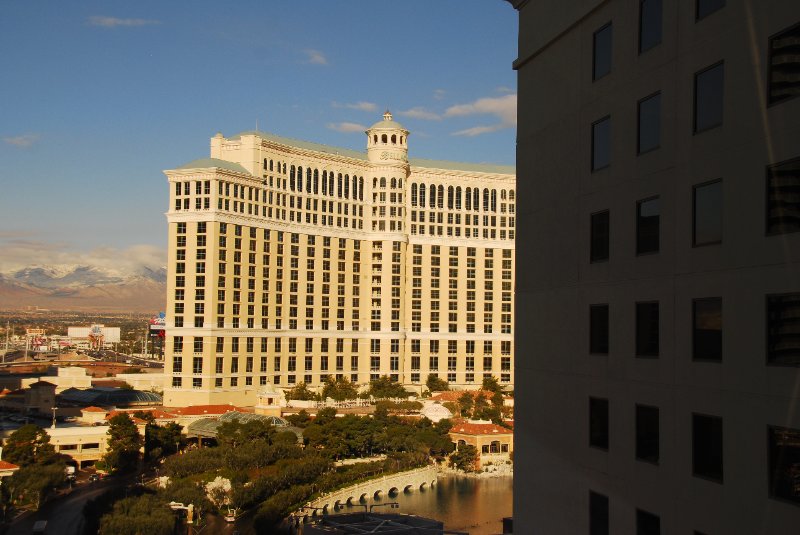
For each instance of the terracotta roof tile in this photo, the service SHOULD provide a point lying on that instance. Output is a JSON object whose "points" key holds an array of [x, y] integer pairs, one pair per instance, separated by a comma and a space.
{"points": [[480, 429], [5, 465], [93, 409]]}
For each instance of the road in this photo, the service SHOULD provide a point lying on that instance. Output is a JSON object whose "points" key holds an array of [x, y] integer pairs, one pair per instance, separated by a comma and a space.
{"points": [[64, 514]]}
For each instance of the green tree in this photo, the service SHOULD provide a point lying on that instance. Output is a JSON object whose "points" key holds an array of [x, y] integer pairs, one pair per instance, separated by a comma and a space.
{"points": [[124, 443], [464, 458], [301, 419], [160, 441], [301, 392], [31, 484], [490, 384], [384, 387], [435, 384], [466, 401], [139, 515], [325, 416], [30, 444], [339, 389], [234, 433]]}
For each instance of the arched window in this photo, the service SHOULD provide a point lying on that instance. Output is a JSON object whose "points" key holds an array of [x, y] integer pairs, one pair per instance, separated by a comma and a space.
{"points": [[476, 199], [502, 195], [485, 200], [458, 198], [375, 183], [266, 164], [432, 196], [308, 179], [316, 181], [494, 200], [450, 200], [330, 183], [299, 178], [394, 183], [383, 182], [284, 168], [383, 138], [511, 195], [361, 188], [413, 194], [401, 140], [399, 182], [324, 182], [346, 186], [339, 186], [355, 187], [375, 139], [469, 199], [422, 195], [291, 178], [394, 139], [440, 202]]}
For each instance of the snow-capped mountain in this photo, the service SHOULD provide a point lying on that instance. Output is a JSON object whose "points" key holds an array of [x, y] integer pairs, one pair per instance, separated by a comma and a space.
{"points": [[84, 287]]}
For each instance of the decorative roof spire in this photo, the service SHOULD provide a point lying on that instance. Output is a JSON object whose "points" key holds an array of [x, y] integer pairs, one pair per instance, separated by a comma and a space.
{"points": [[387, 116]]}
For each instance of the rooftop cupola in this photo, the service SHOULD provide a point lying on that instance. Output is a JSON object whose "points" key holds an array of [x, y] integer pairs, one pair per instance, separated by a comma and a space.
{"points": [[387, 141]]}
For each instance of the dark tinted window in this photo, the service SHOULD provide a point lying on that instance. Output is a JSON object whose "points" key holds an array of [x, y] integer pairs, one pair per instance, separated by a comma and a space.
{"points": [[647, 436], [707, 213], [647, 318], [601, 57], [598, 329], [784, 65], [599, 236], [707, 7], [649, 123], [783, 329], [708, 105], [707, 446], [783, 197], [601, 143], [707, 329], [649, 24], [648, 222], [647, 523], [598, 514], [784, 460], [598, 423]]}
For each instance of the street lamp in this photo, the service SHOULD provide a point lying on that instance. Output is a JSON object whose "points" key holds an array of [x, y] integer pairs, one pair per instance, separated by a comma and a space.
{"points": [[54, 417]]}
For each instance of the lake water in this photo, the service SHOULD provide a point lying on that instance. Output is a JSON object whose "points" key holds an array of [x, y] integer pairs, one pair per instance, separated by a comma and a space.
{"points": [[476, 506]]}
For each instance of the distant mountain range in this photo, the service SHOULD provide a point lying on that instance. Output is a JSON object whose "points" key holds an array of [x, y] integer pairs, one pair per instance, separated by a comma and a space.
{"points": [[83, 287]]}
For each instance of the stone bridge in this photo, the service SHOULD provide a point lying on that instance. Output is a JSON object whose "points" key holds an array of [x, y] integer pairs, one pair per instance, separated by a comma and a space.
{"points": [[385, 486]]}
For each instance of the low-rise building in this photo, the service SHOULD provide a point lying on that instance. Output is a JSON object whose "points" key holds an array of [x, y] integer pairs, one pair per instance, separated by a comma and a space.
{"points": [[493, 442]]}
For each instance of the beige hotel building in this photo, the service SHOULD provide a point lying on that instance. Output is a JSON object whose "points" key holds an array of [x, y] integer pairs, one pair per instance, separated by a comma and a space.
{"points": [[293, 262]]}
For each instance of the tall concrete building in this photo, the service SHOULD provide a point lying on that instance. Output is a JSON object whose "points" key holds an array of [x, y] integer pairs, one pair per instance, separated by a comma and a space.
{"points": [[293, 262], [658, 294]]}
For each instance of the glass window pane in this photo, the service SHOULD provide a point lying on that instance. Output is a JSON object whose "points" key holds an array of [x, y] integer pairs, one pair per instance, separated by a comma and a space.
{"points": [[647, 329], [598, 329], [649, 123], [708, 87], [783, 197], [707, 329], [707, 213], [707, 446], [649, 24], [648, 222], [598, 514], [647, 434], [599, 238], [707, 7], [784, 460], [783, 329], [598, 423], [601, 64], [784, 65], [601, 143]]}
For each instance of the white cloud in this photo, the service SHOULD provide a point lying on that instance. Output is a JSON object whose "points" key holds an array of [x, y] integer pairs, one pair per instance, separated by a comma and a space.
{"points": [[504, 89], [360, 106], [419, 112], [347, 127], [438, 94], [504, 108], [114, 22], [19, 251], [315, 57], [24, 141]]}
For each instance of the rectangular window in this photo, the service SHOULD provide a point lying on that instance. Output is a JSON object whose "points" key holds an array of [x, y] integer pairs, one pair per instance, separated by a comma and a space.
{"points": [[598, 423], [601, 143], [647, 434], [601, 53], [707, 213], [784, 460], [708, 93], [783, 201], [598, 329], [648, 223], [647, 323], [598, 514], [649, 24], [706, 7], [784, 65], [599, 236], [707, 447], [647, 523], [649, 123], [783, 329], [707, 329]]}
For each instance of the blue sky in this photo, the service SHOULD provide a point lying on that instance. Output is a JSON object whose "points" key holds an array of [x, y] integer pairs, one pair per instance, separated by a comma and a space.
{"points": [[98, 97]]}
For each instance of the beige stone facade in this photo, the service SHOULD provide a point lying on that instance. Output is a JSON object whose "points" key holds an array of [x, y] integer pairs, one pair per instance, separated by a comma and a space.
{"points": [[291, 262]]}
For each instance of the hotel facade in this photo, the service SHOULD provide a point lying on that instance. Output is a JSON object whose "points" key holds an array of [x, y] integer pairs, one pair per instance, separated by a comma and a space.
{"points": [[296, 262], [660, 142]]}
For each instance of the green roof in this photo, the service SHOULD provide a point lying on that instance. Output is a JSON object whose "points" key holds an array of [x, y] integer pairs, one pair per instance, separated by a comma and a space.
{"points": [[360, 155], [205, 163]]}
